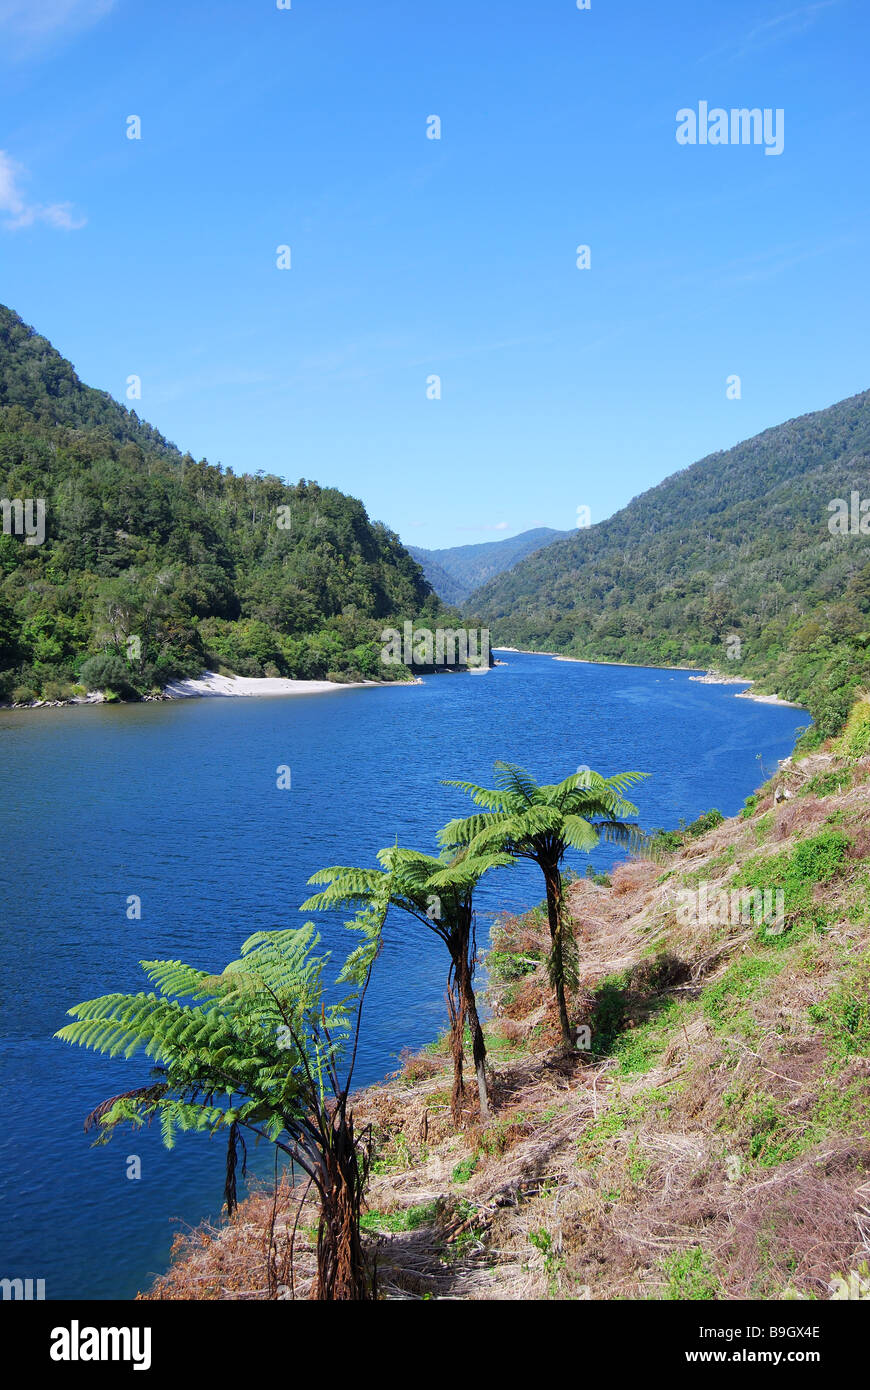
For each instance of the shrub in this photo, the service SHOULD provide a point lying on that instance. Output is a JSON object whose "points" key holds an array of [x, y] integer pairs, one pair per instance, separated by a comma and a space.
{"points": [[504, 966], [845, 1015], [107, 671], [56, 690], [814, 860], [855, 741], [667, 840], [708, 821], [464, 1169]]}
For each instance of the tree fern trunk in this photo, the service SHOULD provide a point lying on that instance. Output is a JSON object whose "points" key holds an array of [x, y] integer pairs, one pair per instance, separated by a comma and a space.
{"points": [[478, 1046], [456, 1012], [342, 1272], [557, 964]]}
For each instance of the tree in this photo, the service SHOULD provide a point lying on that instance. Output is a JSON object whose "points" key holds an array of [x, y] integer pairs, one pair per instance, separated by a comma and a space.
{"points": [[254, 1050], [719, 612], [107, 671], [527, 821], [439, 893]]}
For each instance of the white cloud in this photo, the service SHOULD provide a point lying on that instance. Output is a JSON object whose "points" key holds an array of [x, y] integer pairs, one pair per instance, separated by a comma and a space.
{"points": [[18, 212], [778, 29], [785, 26], [38, 19]]}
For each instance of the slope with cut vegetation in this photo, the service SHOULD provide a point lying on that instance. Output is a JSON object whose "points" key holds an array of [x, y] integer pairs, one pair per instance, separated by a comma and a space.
{"points": [[710, 1136]]}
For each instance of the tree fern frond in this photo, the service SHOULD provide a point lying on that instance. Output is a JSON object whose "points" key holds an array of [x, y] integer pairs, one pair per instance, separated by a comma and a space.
{"points": [[482, 796], [579, 833], [516, 783]]}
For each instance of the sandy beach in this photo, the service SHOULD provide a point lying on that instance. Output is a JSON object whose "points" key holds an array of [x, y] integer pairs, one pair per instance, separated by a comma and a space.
{"points": [[767, 699], [714, 679], [210, 683]]}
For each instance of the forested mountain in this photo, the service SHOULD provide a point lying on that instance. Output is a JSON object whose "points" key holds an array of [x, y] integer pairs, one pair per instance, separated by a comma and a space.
{"points": [[195, 564], [456, 572], [736, 546], [446, 585]]}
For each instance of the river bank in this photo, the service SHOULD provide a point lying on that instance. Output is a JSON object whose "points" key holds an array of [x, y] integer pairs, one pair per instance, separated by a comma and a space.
{"points": [[212, 684], [716, 678], [704, 678]]}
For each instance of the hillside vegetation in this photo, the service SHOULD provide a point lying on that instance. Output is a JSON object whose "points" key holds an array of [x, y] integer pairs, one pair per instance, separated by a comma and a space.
{"points": [[458, 570], [710, 1139], [198, 566], [736, 546]]}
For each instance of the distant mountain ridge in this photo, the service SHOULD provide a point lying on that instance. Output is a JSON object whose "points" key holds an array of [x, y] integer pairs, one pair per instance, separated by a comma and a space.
{"points": [[736, 549], [458, 570]]}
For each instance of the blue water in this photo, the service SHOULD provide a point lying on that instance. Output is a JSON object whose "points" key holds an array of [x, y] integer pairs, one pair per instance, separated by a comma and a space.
{"points": [[177, 803]]}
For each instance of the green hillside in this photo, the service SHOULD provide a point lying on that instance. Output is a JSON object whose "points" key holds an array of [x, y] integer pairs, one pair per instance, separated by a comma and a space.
{"points": [[446, 585], [198, 564], [456, 572], [738, 545]]}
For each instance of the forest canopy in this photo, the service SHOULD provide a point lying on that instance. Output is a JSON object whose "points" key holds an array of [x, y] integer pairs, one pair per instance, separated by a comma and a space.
{"points": [[156, 565], [730, 563]]}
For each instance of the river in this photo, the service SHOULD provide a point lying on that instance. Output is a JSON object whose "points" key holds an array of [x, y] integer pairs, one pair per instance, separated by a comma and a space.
{"points": [[177, 804]]}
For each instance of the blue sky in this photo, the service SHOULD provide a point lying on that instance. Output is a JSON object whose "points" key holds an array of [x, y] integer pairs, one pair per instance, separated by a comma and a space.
{"points": [[454, 257]]}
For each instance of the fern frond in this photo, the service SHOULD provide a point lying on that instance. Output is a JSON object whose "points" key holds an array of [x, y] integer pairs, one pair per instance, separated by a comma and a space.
{"points": [[482, 796], [517, 784]]}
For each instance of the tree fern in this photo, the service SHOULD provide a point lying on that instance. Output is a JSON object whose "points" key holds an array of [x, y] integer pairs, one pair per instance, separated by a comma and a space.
{"points": [[254, 1049], [525, 820], [438, 891]]}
